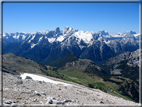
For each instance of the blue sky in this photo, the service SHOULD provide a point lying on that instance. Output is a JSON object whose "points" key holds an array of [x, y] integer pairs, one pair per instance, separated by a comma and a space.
{"points": [[32, 17]]}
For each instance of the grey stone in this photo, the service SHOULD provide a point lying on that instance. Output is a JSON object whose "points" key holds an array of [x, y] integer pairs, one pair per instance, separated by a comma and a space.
{"points": [[37, 93], [19, 77], [19, 82], [60, 102], [40, 82], [8, 102], [50, 101], [101, 102], [67, 101], [28, 77]]}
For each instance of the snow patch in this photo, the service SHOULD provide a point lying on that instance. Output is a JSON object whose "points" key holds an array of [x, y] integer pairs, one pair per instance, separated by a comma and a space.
{"points": [[23, 37], [81, 47], [137, 34], [18, 36], [107, 42], [33, 45], [85, 36], [41, 78], [15, 36], [45, 37], [40, 39], [60, 38], [118, 35], [31, 39], [51, 40]]}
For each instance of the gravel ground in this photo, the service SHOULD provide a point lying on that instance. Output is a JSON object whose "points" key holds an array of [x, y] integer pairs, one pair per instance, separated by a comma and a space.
{"points": [[17, 91]]}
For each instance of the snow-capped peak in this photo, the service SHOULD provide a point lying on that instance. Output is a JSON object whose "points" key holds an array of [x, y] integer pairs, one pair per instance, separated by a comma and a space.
{"points": [[67, 30], [69, 34], [11, 37]]}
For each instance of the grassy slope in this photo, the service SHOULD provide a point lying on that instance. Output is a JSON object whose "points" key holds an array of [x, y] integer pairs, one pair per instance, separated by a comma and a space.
{"points": [[114, 85], [78, 76]]}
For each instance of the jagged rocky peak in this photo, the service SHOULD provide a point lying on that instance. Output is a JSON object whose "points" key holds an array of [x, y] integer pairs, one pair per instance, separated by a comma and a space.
{"points": [[67, 29], [103, 32], [37, 33], [57, 30], [131, 32], [17, 33], [76, 30]]}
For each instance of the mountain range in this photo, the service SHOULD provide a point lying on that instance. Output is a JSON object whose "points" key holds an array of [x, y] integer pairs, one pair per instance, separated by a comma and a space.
{"points": [[47, 46]]}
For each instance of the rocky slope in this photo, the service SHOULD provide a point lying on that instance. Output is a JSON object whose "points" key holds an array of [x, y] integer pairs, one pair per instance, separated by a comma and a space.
{"points": [[117, 64], [125, 56], [18, 91], [126, 66]]}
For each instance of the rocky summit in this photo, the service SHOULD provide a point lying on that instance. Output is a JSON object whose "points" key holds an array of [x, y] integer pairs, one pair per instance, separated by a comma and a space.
{"points": [[18, 91]]}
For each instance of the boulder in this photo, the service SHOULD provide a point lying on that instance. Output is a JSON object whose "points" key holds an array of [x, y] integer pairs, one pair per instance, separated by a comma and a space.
{"points": [[9, 102], [28, 77]]}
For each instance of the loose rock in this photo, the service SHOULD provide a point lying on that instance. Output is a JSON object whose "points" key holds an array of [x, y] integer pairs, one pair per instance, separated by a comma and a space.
{"points": [[33, 92]]}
